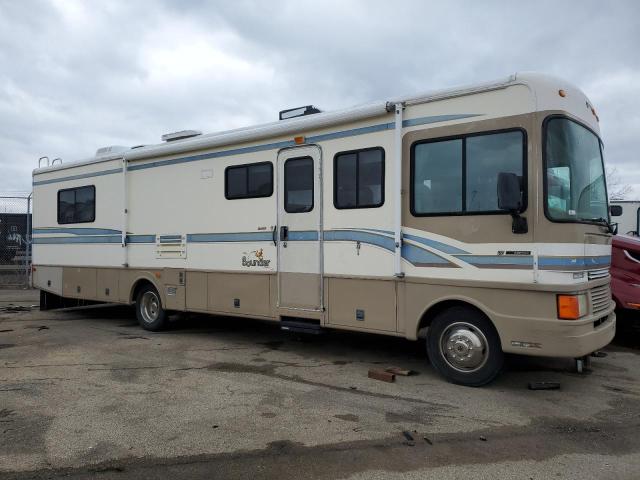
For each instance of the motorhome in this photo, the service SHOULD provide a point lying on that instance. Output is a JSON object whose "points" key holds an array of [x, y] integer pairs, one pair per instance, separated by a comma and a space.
{"points": [[475, 218]]}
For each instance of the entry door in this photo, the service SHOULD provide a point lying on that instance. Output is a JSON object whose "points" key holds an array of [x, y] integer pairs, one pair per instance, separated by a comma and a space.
{"points": [[299, 230]]}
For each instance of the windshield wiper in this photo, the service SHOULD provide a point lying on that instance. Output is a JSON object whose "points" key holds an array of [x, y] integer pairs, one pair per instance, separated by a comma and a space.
{"points": [[603, 221]]}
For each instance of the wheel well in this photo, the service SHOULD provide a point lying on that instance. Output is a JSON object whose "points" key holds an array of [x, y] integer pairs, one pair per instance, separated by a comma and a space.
{"points": [[137, 287], [434, 310]]}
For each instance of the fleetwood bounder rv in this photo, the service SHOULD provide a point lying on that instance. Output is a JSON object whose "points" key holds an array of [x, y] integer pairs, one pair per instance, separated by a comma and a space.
{"points": [[476, 217]]}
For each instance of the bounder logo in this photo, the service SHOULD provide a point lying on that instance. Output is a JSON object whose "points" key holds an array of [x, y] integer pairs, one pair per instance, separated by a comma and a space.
{"points": [[258, 261]]}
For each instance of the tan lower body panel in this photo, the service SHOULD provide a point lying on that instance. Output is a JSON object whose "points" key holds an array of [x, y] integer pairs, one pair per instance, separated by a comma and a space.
{"points": [[299, 290]]}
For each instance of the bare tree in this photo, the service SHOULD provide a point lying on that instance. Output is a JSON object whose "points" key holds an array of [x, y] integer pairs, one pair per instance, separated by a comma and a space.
{"points": [[618, 190]]}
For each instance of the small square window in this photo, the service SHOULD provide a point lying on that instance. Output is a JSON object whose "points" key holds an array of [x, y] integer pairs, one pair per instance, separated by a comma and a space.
{"points": [[359, 179]]}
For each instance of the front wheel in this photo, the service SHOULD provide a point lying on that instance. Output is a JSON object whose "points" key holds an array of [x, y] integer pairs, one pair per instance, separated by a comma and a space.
{"points": [[464, 347], [151, 316]]}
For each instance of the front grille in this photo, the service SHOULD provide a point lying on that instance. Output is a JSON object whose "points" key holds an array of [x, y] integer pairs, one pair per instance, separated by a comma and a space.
{"points": [[600, 298], [595, 274]]}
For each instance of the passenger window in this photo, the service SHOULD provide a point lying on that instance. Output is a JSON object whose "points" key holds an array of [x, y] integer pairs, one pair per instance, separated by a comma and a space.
{"points": [[249, 181], [487, 156], [359, 179], [460, 176], [77, 205], [298, 185], [437, 177]]}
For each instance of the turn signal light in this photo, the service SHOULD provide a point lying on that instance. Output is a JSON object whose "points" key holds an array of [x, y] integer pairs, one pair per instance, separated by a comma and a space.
{"points": [[572, 307]]}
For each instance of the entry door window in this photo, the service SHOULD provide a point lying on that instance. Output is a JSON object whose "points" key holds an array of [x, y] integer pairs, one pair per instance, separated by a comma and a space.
{"points": [[298, 185]]}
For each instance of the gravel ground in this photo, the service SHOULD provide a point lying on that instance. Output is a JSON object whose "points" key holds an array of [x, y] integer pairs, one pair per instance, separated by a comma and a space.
{"points": [[88, 393]]}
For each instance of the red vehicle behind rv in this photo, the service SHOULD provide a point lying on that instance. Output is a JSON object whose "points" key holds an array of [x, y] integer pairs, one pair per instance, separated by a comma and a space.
{"points": [[625, 272]]}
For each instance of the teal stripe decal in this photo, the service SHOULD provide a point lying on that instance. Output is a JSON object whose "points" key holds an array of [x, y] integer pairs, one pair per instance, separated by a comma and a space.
{"points": [[78, 177], [76, 231], [267, 146], [443, 247], [79, 239]]}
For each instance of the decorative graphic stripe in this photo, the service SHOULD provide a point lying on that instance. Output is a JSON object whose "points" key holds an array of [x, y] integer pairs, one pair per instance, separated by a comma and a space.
{"points": [[443, 247], [498, 261], [422, 258], [229, 237], [76, 231], [141, 239], [78, 177], [79, 239], [267, 146], [360, 236], [573, 263], [303, 236]]}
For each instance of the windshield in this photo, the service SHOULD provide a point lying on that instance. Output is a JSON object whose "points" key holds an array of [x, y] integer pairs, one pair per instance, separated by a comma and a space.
{"points": [[575, 181]]}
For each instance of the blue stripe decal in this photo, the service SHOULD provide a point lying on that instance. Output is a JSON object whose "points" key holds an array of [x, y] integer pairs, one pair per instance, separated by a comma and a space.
{"points": [[303, 236], [417, 256], [443, 247], [358, 236], [496, 259], [78, 177], [230, 237], [412, 122], [205, 156], [267, 146], [141, 239], [79, 239], [598, 261], [76, 231]]}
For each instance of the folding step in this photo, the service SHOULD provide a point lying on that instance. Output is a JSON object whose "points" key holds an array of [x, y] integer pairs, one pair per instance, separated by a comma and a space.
{"points": [[301, 325]]}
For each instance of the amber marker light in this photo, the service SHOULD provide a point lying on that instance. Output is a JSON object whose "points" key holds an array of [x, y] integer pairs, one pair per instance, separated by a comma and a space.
{"points": [[562, 93], [572, 307], [298, 140]]}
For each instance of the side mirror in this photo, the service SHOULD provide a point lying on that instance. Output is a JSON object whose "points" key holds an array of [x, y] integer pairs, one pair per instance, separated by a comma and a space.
{"points": [[509, 194], [615, 210]]}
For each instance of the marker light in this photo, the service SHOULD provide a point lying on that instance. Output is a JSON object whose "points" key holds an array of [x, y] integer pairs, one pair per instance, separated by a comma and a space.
{"points": [[562, 93], [572, 307], [298, 140]]}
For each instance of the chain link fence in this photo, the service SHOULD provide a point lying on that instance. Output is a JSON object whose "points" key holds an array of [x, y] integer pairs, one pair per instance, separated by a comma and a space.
{"points": [[15, 241]]}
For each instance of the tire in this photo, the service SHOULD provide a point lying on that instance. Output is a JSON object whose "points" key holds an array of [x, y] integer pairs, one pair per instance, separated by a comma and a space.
{"points": [[464, 347], [151, 316]]}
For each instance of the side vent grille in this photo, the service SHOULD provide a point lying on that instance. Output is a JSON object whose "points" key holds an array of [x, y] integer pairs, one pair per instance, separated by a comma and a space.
{"points": [[600, 298], [171, 246], [595, 274]]}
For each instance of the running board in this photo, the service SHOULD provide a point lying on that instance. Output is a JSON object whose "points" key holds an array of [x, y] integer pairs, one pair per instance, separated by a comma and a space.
{"points": [[301, 325]]}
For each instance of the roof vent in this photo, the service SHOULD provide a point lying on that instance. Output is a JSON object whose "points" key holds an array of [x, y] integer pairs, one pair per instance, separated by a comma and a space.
{"points": [[299, 112], [113, 149], [181, 135]]}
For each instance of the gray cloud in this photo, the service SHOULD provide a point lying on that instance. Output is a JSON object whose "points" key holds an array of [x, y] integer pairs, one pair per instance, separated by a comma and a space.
{"points": [[76, 75]]}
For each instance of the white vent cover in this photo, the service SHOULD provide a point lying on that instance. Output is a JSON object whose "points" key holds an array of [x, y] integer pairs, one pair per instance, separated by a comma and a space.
{"points": [[171, 246], [113, 149], [181, 135]]}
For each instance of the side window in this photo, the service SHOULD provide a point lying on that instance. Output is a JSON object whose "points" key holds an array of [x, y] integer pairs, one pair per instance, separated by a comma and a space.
{"points": [[248, 181], [77, 205], [298, 185], [437, 177], [459, 176], [359, 179]]}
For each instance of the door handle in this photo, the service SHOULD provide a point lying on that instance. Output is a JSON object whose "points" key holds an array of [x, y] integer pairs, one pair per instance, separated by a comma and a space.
{"points": [[273, 235], [284, 233]]}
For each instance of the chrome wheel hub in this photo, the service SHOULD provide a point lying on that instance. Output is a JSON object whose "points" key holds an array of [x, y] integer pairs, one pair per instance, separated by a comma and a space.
{"points": [[464, 347], [150, 307]]}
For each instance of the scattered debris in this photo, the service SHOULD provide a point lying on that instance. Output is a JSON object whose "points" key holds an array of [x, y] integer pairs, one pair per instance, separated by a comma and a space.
{"points": [[381, 375], [400, 371], [215, 426], [599, 354], [428, 440], [409, 439], [482, 438], [544, 385]]}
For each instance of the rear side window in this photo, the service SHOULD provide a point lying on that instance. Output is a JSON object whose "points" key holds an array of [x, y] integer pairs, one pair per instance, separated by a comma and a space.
{"points": [[77, 205], [249, 181], [359, 179]]}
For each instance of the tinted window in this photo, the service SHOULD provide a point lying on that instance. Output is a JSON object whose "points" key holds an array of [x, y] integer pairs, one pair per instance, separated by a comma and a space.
{"points": [[437, 177], [249, 181], [487, 156], [77, 205], [298, 185], [460, 175], [359, 179]]}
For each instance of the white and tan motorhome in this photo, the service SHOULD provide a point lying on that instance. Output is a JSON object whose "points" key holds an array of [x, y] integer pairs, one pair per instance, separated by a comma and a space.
{"points": [[475, 216]]}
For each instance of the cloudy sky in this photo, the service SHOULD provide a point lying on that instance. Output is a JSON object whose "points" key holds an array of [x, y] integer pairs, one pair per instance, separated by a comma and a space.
{"points": [[78, 75]]}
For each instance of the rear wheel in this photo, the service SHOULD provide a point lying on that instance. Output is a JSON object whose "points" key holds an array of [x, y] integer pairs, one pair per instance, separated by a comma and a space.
{"points": [[464, 347], [151, 315]]}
